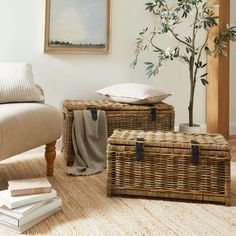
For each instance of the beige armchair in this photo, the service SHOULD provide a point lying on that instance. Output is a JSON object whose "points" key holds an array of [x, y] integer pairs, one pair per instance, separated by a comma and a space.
{"points": [[27, 125]]}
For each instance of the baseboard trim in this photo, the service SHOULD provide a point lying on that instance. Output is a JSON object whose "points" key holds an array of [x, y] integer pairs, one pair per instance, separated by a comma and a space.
{"points": [[232, 129]]}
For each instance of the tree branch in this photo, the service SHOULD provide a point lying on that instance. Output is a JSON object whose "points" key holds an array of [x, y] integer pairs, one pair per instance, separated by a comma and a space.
{"points": [[177, 38], [194, 27], [157, 48], [199, 57], [172, 32]]}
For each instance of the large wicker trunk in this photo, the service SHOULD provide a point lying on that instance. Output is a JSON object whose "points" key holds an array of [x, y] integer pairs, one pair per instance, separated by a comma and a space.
{"points": [[119, 116], [169, 165]]}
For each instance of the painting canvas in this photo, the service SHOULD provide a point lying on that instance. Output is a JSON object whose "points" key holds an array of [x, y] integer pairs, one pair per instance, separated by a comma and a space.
{"points": [[77, 26]]}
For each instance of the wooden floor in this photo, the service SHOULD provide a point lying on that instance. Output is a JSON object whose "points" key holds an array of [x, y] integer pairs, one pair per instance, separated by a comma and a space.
{"points": [[233, 149], [86, 209]]}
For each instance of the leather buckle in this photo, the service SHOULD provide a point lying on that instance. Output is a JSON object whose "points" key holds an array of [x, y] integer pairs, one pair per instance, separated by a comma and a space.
{"points": [[94, 112], [195, 152], [139, 149], [153, 113]]}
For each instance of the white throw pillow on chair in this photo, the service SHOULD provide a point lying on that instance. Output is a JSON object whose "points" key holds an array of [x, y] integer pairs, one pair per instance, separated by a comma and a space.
{"points": [[17, 84]]}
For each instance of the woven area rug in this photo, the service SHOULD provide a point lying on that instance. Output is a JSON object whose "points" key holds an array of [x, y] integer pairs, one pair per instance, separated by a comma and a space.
{"points": [[87, 211]]}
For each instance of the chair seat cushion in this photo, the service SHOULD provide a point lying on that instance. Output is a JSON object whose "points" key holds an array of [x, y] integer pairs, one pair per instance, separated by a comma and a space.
{"points": [[24, 126]]}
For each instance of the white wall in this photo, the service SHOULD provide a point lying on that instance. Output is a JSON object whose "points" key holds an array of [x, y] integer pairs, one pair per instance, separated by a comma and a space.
{"points": [[233, 74], [77, 76]]}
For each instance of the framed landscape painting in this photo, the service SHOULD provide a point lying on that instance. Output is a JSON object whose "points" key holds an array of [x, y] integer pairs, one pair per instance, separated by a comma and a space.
{"points": [[77, 26]]}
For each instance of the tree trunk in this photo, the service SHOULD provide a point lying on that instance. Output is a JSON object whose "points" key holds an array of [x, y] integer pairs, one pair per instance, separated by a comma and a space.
{"points": [[190, 107], [192, 90]]}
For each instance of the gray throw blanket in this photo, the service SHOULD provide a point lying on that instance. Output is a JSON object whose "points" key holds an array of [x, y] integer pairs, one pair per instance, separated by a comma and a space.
{"points": [[89, 139]]}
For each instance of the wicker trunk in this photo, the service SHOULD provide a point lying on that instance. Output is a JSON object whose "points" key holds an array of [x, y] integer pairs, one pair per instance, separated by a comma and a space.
{"points": [[119, 116], [169, 165]]}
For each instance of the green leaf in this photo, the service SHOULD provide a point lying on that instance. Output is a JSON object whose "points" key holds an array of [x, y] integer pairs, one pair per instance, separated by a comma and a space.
{"points": [[204, 75], [164, 30], [148, 63], [188, 39], [199, 64], [204, 65], [184, 58], [204, 82]]}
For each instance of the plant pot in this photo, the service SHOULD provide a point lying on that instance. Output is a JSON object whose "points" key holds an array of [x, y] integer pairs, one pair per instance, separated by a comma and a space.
{"points": [[185, 128]]}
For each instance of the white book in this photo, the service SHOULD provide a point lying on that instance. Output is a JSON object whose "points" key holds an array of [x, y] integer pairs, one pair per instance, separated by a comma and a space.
{"points": [[28, 225], [18, 201], [43, 209], [29, 186], [21, 211]]}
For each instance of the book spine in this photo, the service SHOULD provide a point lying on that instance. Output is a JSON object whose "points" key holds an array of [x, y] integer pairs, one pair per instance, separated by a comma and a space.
{"points": [[20, 192], [8, 219], [28, 225], [9, 213], [22, 228], [43, 197], [41, 211]]}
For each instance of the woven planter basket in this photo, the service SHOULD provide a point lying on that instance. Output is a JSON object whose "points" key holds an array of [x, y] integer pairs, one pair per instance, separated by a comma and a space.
{"points": [[119, 116], [169, 165]]}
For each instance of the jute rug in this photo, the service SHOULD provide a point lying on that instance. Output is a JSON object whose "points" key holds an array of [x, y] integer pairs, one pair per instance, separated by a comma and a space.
{"points": [[87, 211]]}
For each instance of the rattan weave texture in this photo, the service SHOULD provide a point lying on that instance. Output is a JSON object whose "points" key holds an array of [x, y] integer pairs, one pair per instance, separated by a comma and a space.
{"points": [[167, 169], [119, 116]]}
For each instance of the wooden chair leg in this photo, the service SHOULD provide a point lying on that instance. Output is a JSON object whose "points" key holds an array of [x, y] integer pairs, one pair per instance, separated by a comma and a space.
{"points": [[50, 155]]}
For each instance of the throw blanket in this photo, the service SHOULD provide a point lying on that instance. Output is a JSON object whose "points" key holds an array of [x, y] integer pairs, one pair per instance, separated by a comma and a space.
{"points": [[89, 139]]}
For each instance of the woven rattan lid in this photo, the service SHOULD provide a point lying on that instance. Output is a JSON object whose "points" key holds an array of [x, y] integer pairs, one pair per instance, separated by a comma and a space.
{"points": [[112, 106], [169, 139]]}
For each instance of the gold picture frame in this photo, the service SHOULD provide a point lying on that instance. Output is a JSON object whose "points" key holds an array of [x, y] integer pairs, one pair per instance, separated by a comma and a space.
{"points": [[77, 26]]}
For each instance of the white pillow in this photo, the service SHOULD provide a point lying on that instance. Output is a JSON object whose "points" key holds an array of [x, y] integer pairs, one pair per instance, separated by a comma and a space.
{"points": [[17, 84], [133, 93]]}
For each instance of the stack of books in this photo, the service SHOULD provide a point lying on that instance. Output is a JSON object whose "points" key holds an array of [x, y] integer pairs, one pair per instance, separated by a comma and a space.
{"points": [[26, 203]]}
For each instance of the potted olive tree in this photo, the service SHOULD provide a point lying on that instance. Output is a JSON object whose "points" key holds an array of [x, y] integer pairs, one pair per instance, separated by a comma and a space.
{"points": [[190, 48]]}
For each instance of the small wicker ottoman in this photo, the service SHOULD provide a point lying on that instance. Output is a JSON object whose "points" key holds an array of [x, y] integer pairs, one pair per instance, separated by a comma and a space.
{"points": [[169, 165], [119, 116]]}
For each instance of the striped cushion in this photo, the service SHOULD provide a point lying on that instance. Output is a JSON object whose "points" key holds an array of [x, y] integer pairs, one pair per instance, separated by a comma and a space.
{"points": [[17, 84]]}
